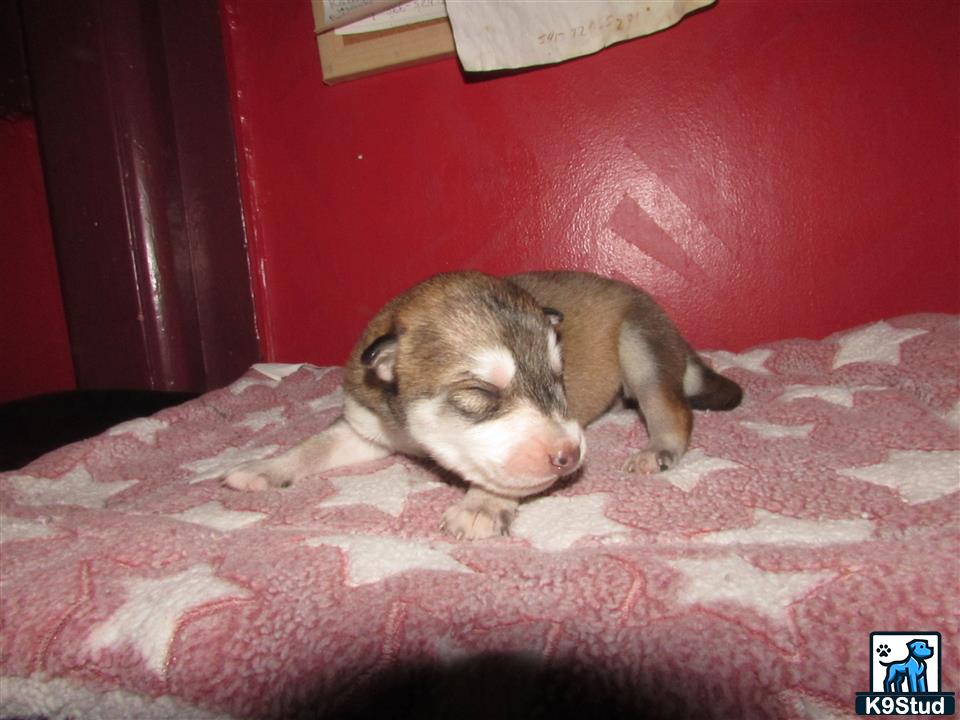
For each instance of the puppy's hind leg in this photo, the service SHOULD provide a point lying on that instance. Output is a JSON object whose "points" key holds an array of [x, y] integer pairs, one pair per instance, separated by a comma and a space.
{"points": [[652, 380], [336, 446]]}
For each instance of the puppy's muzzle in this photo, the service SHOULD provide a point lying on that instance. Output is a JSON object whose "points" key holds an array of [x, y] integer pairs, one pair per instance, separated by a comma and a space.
{"points": [[538, 461]]}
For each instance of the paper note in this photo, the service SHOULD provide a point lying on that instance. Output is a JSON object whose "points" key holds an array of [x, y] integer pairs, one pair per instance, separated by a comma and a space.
{"points": [[499, 34], [334, 10], [328, 14], [408, 13]]}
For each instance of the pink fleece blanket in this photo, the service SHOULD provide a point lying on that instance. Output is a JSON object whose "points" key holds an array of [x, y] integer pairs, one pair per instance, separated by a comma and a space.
{"points": [[744, 583]]}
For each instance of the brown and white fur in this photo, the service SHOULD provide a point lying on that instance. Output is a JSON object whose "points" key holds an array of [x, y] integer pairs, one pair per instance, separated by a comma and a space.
{"points": [[494, 379]]}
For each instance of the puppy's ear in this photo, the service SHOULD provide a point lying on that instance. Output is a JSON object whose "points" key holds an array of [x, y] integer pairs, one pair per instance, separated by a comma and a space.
{"points": [[554, 316], [380, 356]]}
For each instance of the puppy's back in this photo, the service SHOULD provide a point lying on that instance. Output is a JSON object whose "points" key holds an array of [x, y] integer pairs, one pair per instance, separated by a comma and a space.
{"points": [[596, 312]]}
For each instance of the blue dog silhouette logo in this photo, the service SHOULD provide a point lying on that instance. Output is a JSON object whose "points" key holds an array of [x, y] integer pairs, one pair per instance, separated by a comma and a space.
{"points": [[909, 674], [905, 676]]}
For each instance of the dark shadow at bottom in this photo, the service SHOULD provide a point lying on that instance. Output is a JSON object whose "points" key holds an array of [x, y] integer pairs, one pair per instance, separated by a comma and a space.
{"points": [[505, 687]]}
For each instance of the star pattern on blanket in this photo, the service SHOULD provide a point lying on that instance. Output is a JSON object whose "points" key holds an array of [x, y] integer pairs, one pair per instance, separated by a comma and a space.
{"points": [[772, 430], [76, 487], [694, 466], [43, 696], [224, 461], [754, 360], [834, 394], [262, 418], [731, 579], [918, 475], [216, 516], [556, 523], [144, 429], [279, 371], [150, 616], [15, 528], [325, 402], [773, 529], [247, 382], [740, 557], [386, 489], [372, 558], [877, 343]]}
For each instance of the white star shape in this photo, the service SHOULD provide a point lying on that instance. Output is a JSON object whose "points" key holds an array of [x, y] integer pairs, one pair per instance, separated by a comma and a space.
{"points": [[877, 343], [692, 467], [76, 487], [216, 516], [731, 579], [754, 360], [555, 523], [918, 475], [15, 528], [149, 618], [144, 429], [771, 430], [372, 558], [259, 420], [834, 394], [226, 460], [772, 529], [385, 489]]}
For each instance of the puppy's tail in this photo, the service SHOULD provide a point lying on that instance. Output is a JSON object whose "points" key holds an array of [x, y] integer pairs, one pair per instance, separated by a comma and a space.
{"points": [[706, 389]]}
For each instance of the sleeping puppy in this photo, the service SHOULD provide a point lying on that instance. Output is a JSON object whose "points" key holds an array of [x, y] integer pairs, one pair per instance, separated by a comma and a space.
{"points": [[495, 378]]}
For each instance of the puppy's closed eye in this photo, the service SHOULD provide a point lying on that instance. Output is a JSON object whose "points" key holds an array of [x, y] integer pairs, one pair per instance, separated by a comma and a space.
{"points": [[477, 401]]}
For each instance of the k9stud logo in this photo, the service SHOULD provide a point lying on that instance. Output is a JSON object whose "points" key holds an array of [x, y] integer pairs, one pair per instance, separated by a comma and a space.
{"points": [[905, 676]]}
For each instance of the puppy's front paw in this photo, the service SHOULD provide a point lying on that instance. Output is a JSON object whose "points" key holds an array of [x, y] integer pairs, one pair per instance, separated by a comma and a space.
{"points": [[475, 523], [647, 462], [479, 515], [257, 475]]}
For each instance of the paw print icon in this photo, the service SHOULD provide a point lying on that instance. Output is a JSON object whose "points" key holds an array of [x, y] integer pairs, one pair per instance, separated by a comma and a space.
{"points": [[883, 650]]}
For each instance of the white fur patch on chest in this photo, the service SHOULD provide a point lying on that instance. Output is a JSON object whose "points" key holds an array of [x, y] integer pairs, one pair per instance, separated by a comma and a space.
{"points": [[495, 365]]}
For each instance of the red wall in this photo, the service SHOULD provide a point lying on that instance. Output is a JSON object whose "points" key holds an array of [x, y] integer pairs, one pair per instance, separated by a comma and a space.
{"points": [[765, 169], [34, 347]]}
